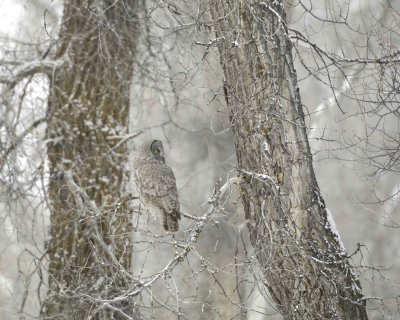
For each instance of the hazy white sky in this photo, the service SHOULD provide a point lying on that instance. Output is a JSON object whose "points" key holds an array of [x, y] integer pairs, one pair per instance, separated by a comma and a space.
{"points": [[25, 20], [10, 16]]}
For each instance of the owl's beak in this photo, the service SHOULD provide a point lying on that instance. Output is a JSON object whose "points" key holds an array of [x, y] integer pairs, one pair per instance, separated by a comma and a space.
{"points": [[162, 158]]}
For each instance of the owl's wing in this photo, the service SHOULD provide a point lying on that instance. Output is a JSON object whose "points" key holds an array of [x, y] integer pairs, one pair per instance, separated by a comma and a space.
{"points": [[155, 179]]}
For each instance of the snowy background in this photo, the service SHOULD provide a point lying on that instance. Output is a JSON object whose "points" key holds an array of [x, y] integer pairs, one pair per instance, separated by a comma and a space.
{"points": [[176, 96]]}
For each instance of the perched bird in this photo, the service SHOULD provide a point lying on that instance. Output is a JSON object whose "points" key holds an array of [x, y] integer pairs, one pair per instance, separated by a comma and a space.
{"points": [[156, 184]]}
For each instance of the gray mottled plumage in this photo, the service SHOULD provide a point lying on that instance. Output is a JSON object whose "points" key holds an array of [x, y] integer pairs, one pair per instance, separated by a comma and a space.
{"points": [[156, 184]]}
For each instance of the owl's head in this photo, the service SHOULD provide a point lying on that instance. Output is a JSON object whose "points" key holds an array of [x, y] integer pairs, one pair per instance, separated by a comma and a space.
{"points": [[151, 151], [157, 150]]}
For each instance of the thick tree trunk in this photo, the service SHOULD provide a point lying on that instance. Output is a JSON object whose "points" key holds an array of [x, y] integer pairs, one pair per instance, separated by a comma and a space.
{"points": [[90, 245], [305, 268]]}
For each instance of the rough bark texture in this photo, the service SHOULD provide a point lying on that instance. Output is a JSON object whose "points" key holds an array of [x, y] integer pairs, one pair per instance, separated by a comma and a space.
{"points": [[90, 245], [305, 268]]}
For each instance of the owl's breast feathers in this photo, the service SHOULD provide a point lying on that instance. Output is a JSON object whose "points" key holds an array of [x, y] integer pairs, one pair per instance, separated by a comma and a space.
{"points": [[155, 179]]}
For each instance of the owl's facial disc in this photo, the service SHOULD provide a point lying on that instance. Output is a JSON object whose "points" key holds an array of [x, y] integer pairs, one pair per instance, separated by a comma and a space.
{"points": [[158, 150]]}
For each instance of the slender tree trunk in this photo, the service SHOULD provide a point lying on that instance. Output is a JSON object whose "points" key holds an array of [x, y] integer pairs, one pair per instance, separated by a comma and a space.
{"points": [[90, 245], [305, 268]]}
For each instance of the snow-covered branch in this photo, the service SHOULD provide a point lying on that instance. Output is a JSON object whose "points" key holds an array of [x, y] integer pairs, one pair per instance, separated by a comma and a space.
{"points": [[23, 69]]}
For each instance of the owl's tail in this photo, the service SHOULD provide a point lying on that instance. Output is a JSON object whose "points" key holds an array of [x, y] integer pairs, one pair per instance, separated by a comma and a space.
{"points": [[170, 220]]}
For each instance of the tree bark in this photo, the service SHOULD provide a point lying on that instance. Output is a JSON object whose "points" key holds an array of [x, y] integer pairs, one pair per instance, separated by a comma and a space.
{"points": [[90, 245], [305, 268]]}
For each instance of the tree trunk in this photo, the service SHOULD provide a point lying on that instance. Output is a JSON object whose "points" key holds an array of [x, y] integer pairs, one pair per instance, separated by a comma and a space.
{"points": [[305, 268], [90, 246]]}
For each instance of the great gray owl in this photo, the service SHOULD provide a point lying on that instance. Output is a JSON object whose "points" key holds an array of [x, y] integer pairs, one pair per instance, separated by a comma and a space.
{"points": [[156, 184]]}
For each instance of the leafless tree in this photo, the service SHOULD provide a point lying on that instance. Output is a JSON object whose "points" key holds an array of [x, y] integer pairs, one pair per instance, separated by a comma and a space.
{"points": [[306, 269], [90, 251]]}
